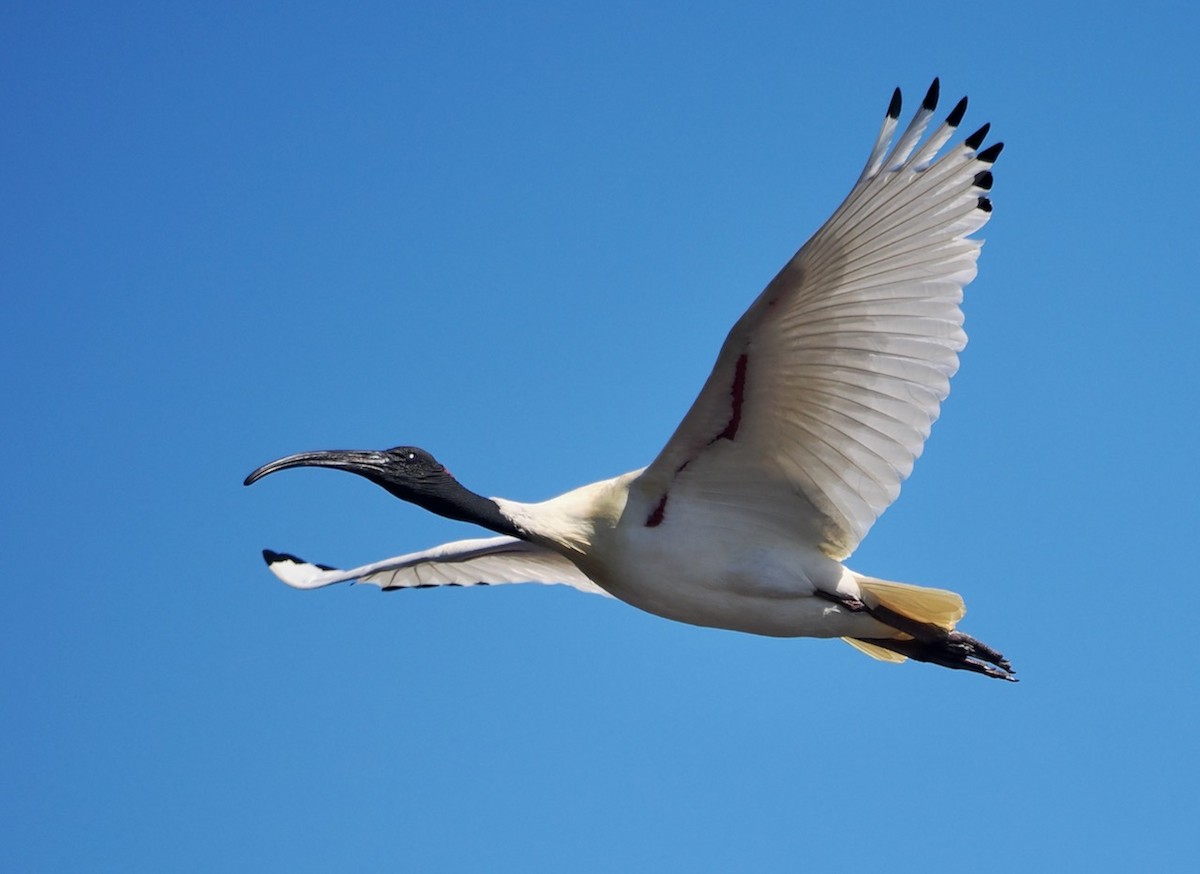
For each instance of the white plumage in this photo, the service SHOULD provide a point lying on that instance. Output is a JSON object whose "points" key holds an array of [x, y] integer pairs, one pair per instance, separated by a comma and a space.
{"points": [[482, 561], [819, 403]]}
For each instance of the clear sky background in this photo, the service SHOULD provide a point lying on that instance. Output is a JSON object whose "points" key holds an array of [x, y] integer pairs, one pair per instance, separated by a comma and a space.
{"points": [[516, 234]]}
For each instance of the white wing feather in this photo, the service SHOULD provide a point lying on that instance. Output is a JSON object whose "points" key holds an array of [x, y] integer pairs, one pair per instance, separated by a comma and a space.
{"points": [[489, 561], [826, 389]]}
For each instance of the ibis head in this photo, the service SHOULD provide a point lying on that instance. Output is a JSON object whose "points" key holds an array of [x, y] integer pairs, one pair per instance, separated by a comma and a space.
{"points": [[407, 472]]}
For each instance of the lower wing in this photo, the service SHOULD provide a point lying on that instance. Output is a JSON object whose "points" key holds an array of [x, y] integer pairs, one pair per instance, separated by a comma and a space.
{"points": [[486, 561]]}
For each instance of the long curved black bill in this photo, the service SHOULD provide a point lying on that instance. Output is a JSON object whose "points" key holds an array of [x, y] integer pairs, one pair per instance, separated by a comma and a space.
{"points": [[360, 461]]}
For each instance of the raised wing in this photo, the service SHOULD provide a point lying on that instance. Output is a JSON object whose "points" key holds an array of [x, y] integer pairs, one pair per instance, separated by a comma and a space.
{"points": [[485, 561], [825, 390]]}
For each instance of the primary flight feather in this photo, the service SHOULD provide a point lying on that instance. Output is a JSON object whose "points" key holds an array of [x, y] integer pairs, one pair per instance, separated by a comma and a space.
{"points": [[819, 403]]}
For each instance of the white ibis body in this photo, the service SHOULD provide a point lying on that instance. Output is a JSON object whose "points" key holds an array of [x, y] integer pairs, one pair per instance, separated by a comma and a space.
{"points": [[820, 401]]}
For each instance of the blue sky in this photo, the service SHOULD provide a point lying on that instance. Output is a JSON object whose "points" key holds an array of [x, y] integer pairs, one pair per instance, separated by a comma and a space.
{"points": [[516, 235]]}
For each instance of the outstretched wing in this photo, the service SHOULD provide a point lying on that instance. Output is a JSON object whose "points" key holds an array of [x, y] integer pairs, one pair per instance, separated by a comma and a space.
{"points": [[825, 390], [485, 561]]}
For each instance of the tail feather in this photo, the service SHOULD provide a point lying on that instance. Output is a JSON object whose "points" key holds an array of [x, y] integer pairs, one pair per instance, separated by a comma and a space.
{"points": [[931, 606], [875, 652]]}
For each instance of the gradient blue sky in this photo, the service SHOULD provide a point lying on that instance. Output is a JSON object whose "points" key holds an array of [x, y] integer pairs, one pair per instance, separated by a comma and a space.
{"points": [[516, 234]]}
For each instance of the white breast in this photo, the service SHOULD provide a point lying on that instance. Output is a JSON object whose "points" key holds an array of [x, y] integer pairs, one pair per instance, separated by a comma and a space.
{"points": [[706, 566]]}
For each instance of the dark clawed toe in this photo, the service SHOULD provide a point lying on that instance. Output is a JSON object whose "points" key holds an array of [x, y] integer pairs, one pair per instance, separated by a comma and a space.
{"points": [[955, 650], [931, 643], [996, 673], [979, 650]]}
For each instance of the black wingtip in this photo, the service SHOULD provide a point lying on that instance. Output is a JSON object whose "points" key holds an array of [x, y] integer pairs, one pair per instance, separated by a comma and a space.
{"points": [[976, 139], [991, 153], [931, 96], [983, 179], [894, 106], [957, 113], [985, 204], [271, 557]]}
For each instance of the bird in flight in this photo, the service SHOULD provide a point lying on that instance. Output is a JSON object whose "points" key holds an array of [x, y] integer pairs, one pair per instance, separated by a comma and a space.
{"points": [[820, 401]]}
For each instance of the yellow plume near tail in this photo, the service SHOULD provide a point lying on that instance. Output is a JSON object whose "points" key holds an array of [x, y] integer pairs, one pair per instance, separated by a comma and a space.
{"points": [[938, 607], [876, 652]]}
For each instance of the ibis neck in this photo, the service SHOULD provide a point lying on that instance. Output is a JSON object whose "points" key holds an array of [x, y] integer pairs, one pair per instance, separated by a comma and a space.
{"points": [[460, 503]]}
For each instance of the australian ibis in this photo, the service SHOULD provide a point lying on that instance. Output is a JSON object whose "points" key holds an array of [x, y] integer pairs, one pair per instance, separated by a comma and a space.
{"points": [[820, 401]]}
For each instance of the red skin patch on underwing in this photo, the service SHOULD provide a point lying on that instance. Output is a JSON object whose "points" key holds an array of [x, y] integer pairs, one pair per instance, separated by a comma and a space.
{"points": [[738, 392], [655, 518]]}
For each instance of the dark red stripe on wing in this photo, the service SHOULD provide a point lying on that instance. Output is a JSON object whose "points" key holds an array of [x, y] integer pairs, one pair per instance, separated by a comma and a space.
{"points": [[659, 513], [738, 393]]}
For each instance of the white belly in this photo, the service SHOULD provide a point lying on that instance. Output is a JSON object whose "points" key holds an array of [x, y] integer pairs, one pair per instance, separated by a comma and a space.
{"points": [[755, 582], [705, 562]]}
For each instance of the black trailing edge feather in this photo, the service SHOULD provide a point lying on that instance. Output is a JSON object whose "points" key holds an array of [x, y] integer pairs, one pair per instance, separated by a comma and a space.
{"points": [[990, 154], [975, 140], [957, 113], [432, 586], [894, 106], [985, 204], [931, 96], [983, 179]]}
